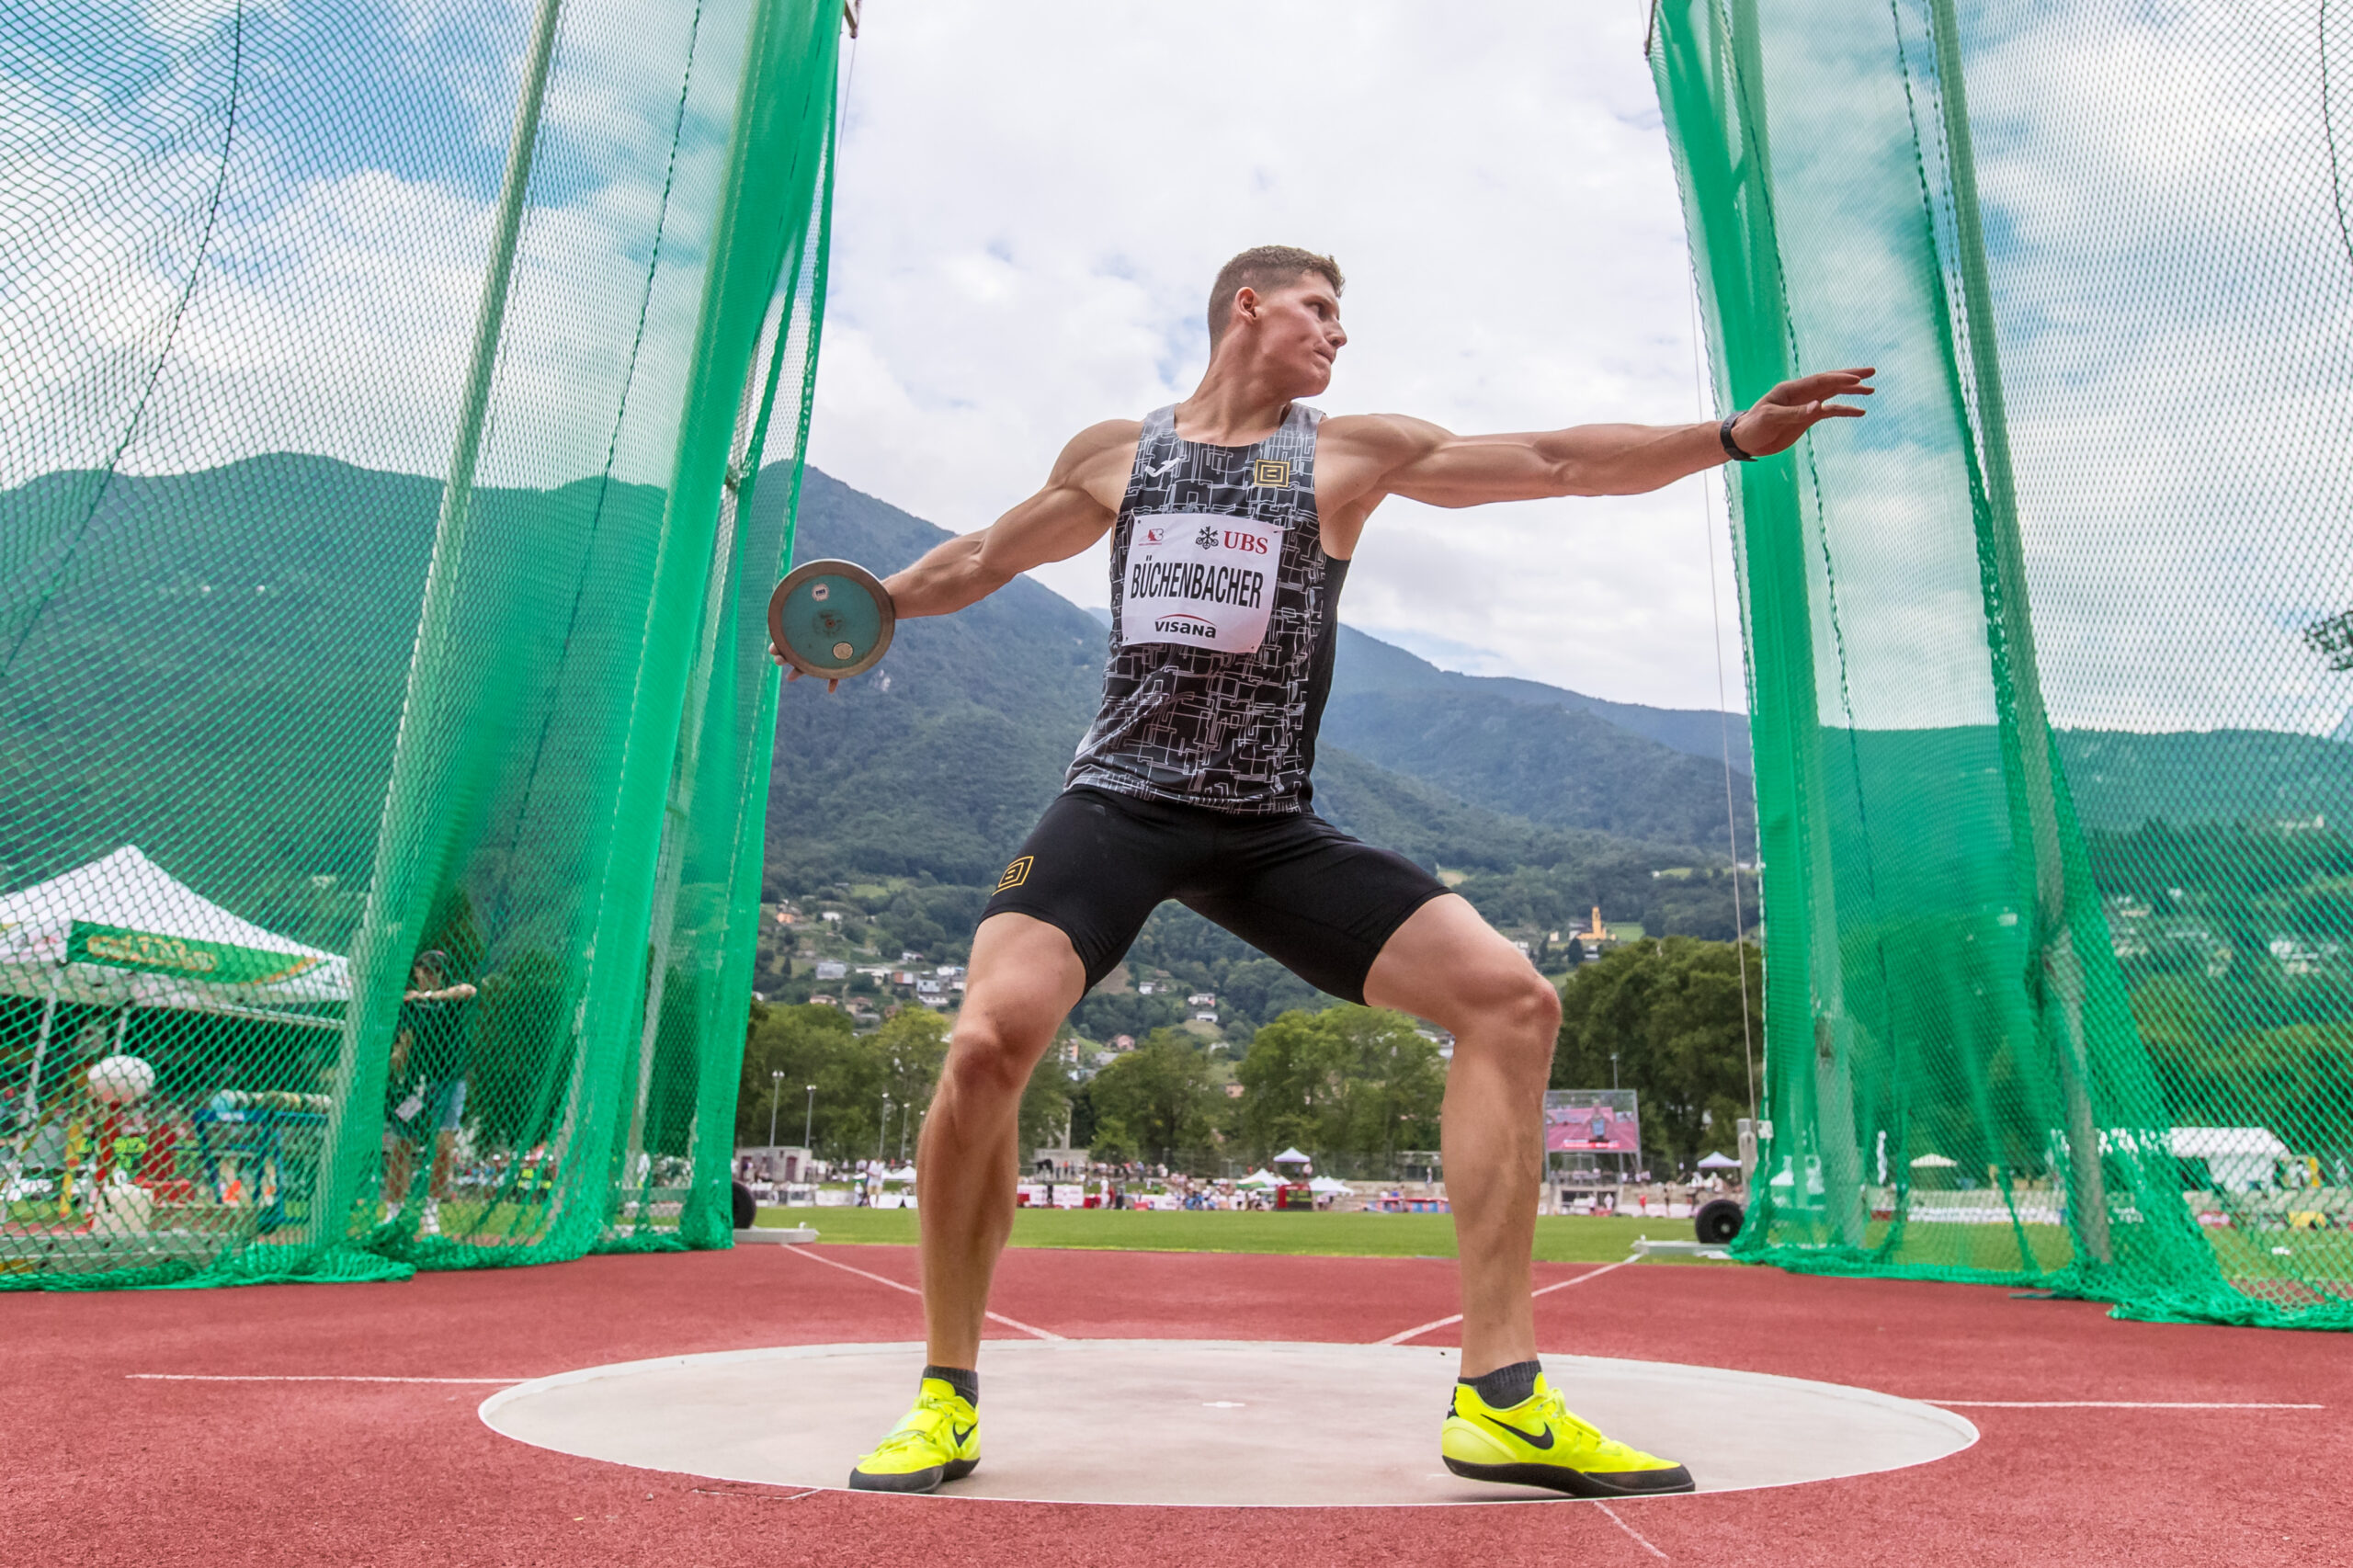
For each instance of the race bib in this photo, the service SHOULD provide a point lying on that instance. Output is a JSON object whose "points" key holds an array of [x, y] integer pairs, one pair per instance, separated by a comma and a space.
{"points": [[1201, 579]]}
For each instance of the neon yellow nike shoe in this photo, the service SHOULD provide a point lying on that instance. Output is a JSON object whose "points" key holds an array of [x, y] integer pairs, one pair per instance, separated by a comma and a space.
{"points": [[1538, 1443], [939, 1440]]}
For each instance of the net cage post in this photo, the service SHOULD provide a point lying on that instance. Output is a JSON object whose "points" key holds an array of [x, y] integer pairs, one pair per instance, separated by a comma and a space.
{"points": [[709, 908], [785, 100], [408, 862]]}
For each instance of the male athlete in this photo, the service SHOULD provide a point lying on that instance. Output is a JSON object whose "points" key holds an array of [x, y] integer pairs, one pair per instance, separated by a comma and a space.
{"points": [[1236, 514]]}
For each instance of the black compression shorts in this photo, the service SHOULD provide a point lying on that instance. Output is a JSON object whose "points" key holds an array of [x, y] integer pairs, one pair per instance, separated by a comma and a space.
{"points": [[1292, 886]]}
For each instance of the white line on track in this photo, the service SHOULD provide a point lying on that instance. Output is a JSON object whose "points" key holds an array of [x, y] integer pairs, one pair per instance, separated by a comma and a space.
{"points": [[301, 1377], [2110, 1405], [1031, 1329], [1416, 1332], [1639, 1538]]}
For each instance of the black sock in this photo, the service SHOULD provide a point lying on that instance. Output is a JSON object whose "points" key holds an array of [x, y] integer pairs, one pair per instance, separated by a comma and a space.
{"points": [[967, 1383], [1502, 1389]]}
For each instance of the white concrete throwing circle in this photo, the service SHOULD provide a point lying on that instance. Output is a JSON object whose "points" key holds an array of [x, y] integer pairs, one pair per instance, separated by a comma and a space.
{"points": [[1205, 1422]]}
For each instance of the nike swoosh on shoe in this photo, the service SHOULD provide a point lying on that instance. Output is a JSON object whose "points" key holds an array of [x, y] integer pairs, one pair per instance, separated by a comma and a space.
{"points": [[1531, 1438]]}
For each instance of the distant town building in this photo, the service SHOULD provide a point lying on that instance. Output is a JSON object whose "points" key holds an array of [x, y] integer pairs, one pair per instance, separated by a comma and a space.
{"points": [[1123, 1042], [908, 955], [820, 1000], [1205, 1018], [831, 969], [1201, 999], [832, 914], [1595, 940], [1145, 988], [1234, 1091]]}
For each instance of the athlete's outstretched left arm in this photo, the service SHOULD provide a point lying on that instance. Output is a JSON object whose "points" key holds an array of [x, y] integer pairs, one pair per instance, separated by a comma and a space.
{"points": [[1417, 459]]}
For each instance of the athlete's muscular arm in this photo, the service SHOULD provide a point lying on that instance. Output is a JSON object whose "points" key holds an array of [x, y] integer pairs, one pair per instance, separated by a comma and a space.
{"points": [[1080, 500], [1393, 455]]}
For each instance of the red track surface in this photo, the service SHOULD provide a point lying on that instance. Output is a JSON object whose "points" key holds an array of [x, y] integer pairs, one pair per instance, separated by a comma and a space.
{"points": [[103, 1469]]}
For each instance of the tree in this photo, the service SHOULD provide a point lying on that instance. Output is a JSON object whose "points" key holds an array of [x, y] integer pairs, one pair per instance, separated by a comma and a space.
{"points": [[808, 1045], [1154, 1101], [1348, 1081], [1258, 989], [909, 1048], [852, 1073], [1670, 1010], [1045, 1107]]}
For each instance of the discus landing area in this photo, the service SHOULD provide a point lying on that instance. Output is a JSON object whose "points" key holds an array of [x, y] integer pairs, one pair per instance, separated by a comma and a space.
{"points": [[339, 1422]]}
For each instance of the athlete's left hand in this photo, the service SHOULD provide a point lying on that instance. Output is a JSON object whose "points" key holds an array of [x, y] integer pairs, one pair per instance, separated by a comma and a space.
{"points": [[792, 671], [1794, 407]]}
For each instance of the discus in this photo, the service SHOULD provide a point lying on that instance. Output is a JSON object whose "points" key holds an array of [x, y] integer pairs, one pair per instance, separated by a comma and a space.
{"points": [[830, 619]]}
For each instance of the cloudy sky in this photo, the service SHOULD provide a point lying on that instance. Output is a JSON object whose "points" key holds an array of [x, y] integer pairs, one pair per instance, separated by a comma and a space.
{"points": [[1032, 200]]}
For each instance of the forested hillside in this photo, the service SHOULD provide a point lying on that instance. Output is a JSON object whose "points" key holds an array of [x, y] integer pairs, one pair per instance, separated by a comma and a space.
{"points": [[1553, 765], [1369, 664]]}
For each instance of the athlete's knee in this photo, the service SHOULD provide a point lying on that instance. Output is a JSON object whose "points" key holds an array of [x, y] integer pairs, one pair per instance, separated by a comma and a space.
{"points": [[1516, 1003], [985, 1058]]}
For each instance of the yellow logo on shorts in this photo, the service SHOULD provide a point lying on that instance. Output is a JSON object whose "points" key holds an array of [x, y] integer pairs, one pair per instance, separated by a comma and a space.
{"points": [[1275, 471], [1017, 873]]}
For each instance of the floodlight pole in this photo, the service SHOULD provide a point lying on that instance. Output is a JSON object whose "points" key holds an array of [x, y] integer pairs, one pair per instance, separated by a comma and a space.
{"points": [[776, 1088], [808, 1121]]}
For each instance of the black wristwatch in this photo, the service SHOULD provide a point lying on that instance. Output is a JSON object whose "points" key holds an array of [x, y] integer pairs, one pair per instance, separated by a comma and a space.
{"points": [[1732, 448]]}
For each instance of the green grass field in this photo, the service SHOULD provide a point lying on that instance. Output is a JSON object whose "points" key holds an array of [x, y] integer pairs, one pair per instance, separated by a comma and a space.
{"points": [[1559, 1239]]}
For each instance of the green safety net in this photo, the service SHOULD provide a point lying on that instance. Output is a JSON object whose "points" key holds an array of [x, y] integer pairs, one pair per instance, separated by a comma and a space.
{"points": [[383, 545], [2048, 656]]}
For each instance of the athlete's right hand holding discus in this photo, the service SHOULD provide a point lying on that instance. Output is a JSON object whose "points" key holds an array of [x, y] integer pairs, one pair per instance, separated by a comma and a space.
{"points": [[1234, 516]]}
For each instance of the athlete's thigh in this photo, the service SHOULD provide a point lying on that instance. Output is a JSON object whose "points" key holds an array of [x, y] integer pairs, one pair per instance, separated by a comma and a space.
{"points": [[1320, 904], [1095, 868], [1446, 963]]}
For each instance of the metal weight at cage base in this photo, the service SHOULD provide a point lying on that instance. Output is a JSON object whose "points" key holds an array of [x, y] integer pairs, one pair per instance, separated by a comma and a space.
{"points": [[832, 619]]}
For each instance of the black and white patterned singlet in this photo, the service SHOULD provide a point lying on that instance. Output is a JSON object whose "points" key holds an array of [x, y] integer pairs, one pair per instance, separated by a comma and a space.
{"points": [[1224, 612]]}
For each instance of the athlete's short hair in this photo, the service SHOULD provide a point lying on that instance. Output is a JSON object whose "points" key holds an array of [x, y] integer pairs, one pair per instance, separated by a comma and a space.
{"points": [[1262, 267]]}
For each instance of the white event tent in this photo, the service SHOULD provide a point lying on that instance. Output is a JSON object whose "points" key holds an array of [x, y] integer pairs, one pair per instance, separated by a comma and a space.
{"points": [[122, 932]]}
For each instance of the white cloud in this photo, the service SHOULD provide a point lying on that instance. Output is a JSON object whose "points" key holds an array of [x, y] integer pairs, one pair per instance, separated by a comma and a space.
{"points": [[1031, 202], [2174, 305], [2176, 310], [1030, 205], [342, 272], [1029, 210]]}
